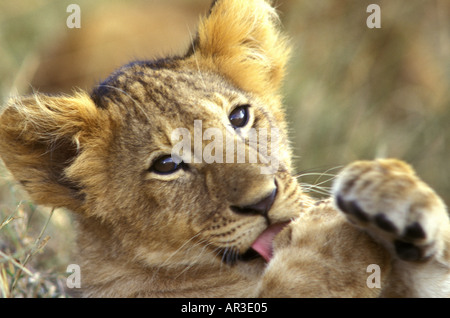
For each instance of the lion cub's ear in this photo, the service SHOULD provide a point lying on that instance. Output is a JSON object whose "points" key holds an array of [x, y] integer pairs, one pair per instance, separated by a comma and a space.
{"points": [[242, 39], [40, 136]]}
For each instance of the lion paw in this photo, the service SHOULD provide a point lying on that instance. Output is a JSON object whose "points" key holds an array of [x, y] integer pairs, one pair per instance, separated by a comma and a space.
{"points": [[391, 203]]}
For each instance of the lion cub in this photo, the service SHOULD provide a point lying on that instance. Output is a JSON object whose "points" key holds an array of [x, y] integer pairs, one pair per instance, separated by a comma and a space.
{"points": [[155, 224]]}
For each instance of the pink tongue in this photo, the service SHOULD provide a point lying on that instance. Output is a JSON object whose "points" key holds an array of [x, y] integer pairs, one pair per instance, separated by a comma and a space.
{"points": [[263, 244]]}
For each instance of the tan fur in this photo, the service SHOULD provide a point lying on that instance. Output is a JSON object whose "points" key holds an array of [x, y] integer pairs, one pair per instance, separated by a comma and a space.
{"points": [[177, 235]]}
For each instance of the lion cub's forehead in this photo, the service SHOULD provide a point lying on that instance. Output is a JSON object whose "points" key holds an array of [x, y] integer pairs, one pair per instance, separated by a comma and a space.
{"points": [[164, 89]]}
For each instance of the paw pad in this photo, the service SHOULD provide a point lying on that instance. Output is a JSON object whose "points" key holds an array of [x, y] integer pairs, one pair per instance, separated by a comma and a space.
{"points": [[352, 208], [408, 251], [415, 232], [384, 223], [406, 240]]}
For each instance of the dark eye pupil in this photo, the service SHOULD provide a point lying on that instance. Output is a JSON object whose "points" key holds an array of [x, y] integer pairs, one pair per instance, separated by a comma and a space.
{"points": [[165, 165], [239, 116]]}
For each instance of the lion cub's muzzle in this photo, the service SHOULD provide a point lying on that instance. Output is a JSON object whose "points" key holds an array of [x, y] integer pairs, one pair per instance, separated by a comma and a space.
{"points": [[263, 244]]}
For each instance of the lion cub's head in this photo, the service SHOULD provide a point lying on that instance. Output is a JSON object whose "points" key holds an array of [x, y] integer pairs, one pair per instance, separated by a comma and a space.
{"points": [[170, 165]]}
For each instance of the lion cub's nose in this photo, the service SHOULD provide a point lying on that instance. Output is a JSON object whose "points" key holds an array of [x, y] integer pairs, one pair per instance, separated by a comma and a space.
{"points": [[262, 207]]}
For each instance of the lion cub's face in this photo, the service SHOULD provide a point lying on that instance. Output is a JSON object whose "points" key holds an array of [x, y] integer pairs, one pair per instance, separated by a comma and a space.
{"points": [[214, 199], [177, 161]]}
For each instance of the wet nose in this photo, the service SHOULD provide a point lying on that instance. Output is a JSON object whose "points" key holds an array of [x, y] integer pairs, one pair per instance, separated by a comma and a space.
{"points": [[259, 208]]}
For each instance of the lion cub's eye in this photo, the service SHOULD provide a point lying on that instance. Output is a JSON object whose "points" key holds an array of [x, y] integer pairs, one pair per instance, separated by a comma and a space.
{"points": [[240, 116], [165, 165]]}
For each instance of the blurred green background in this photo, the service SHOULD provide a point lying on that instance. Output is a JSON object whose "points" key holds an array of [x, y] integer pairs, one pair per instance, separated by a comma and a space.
{"points": [[351, 93]]}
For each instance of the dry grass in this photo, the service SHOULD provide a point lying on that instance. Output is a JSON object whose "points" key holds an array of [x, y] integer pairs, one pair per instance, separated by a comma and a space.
{"points": [[31, 261], [352, 93]]}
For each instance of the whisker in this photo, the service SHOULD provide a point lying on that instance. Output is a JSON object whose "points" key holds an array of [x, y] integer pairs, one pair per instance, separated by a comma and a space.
{"points": [[323, 182], [319, 190], [317, 186], [309, 174], [193, 263], [180, 248], [224, 255], [195, 57], [166, 261], [311, 171]]}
